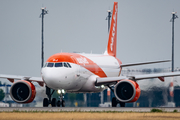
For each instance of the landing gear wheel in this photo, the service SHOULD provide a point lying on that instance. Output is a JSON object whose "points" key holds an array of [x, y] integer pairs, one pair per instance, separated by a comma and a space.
{"points": [[53, 103], [45, 102], [63, 103], [122, 104], [48, 100], [58, 103], [114, 102]]}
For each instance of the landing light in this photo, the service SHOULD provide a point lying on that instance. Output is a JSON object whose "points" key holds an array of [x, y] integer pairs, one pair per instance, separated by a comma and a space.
{"points": [[63, 91], [59, 91], [102, 86]]}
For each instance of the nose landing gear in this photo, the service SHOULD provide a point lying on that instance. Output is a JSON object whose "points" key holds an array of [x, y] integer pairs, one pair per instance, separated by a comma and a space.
{"points": [[53, 102], [61, 102]]}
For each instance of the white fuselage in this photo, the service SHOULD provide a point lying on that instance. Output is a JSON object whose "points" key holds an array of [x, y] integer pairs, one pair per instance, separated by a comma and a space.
{"points": [[82, 73], [83, 69]]}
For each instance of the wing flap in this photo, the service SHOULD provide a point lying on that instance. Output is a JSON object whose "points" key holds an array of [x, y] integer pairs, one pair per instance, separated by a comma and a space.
{"points": [[113, 80], [108, 80], [143, 63], [17, 77], [11, 78], [149, 76]]}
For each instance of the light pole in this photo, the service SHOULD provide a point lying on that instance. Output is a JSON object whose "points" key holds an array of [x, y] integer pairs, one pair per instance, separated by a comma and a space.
{"points": [[44, 11], [108, 90], [109, 19], [174, 16]]}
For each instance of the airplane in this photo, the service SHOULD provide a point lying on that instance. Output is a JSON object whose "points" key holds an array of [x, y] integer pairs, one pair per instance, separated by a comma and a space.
{"points": [[84, 73]]}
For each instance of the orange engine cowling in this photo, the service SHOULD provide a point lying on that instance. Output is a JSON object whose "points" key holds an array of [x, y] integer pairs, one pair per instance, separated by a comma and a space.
{"points": [[23, 91], [127, 91]]}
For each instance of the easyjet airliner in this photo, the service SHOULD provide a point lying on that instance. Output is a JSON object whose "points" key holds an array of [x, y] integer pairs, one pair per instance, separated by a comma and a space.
{"points": [[84, 73]]}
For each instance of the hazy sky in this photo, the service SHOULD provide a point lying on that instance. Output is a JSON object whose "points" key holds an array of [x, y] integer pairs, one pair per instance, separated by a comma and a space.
{"points": [[144, 31]]}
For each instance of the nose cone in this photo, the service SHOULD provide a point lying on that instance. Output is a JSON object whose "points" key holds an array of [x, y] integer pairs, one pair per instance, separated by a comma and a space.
{"points": [[58, 78], [49, 75]]}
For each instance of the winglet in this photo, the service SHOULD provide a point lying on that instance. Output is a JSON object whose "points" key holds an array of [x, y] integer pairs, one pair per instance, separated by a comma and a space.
{"points": [[11, 80], [161, 79], [111, 48]]}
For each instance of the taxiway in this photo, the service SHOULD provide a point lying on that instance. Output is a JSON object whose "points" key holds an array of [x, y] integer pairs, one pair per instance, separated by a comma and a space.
{"points": [[86, 109]]}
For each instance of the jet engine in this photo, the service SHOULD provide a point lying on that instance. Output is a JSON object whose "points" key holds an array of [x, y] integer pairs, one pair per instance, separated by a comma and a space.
{"points": [[23, 91], [127, 91]]}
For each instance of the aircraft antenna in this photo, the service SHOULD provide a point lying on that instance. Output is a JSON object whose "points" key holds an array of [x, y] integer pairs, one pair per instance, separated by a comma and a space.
{"points": [[174, 16], [44, 12]]}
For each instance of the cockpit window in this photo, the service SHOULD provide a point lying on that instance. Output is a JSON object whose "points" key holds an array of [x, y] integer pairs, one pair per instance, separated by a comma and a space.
{"points": [[69, 65], [50, 64], [61, 64], [58, 65], [65, 65], [45, 65]]}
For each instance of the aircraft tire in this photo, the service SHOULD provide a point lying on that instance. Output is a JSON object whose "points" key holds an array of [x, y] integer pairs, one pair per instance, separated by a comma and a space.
{"points": [[63, 103], [114, 102], [45, 102], [58, 103], [53, 103], [122, 104]]}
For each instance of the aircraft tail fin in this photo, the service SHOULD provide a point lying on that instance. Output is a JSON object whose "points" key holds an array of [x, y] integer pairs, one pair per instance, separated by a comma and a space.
{"points": [[111, 48]]}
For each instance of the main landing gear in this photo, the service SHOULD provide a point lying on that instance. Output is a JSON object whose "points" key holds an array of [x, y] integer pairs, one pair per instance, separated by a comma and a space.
{"points": [[114, 101], [53, 102]]}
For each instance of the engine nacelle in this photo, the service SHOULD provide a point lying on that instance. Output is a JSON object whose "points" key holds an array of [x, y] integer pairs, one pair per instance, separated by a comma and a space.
{"points": [[23, 91], [127, 91]]}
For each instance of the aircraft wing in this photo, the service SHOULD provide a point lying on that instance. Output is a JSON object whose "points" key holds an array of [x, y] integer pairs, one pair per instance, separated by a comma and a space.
{"points": [[143, 63], [11, 78], [111, 80]]}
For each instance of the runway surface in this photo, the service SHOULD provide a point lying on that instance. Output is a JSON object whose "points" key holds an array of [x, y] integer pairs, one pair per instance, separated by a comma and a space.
{"points": [[85, 109]]}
